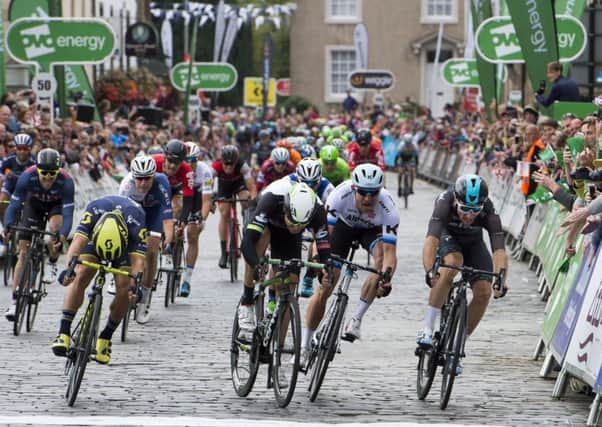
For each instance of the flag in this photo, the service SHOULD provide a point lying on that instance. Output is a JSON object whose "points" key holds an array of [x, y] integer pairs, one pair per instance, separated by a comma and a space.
{"points": [[547, 154], [576, 145], [481, 10], [2, 64]]}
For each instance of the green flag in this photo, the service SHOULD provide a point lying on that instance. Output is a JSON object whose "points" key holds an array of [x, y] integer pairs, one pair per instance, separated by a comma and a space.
{"points": [[535, 25], [2, 64], [576, 145], [547, 154], [541, 195], [481, 10], [76, 80]]}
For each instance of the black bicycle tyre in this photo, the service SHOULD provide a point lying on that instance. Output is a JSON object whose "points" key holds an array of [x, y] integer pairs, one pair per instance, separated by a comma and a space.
{"points": [[283, 397], [125, 323], [326, 354], [23, 295], [177, 260], [34, 299], [232, 253], [427, 363], [454, 345], [243, 389], [406, 188], [10, 259]]}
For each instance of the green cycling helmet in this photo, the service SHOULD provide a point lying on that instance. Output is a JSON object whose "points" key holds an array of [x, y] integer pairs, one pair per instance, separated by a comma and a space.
{"points": [[329, 153]]}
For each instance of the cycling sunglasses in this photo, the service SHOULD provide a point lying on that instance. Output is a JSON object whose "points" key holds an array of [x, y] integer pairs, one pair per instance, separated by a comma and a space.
{"points": [[48, 173], [470, 209], [23, 148], [290, 223], [329, 162], [364, 192], [143, 178]]}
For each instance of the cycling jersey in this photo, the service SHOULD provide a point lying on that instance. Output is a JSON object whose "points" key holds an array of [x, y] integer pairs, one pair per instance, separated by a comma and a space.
{"points": [[339, 174], [341, 206], [270, 213], [262, 152], [269, 174], [406, 153], [375, 155], [29, 190], [203, 178], [133, 214], [156, 202], [182, 182], [241, 171], [13, 168], [324, 187]]}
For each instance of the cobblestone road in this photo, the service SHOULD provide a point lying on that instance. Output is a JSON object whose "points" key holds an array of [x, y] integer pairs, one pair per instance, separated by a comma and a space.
{"points": [[178, 364]]}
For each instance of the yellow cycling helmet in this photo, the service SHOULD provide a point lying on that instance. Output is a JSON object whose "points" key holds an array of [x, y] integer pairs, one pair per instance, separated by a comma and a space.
{"points": [[110, 236]]}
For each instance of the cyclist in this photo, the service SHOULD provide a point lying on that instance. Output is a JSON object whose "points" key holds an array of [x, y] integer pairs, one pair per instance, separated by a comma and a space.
{"points": [[309, 172], [12, 167], [151, 190], [359, 209], [365, 150], [47, 193], [341, 146], [455, 233], [287, 143], [406, 157], [276, 167], [112, 230], [233, 180], [284, 210], [262, 149], [203, 193], [334, 169]]}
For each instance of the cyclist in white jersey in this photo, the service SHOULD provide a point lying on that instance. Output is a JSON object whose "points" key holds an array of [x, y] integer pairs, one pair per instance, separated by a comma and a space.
{"points": [[358, 209]]}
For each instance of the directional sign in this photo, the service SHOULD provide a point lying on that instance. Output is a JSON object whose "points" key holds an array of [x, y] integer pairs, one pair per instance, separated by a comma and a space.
{"points": [[45, 41], [283, 87], [460, 72], [253, 92], [372, 79], [496, 39], [43, 85], [209, 76]]}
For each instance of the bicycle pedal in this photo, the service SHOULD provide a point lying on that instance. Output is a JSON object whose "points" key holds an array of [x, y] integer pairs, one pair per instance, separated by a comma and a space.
{"points": [[348, 338]]}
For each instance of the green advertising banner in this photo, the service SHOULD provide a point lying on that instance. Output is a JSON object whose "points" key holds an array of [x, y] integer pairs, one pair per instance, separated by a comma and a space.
{"points": [[2, 62], [481, 10], [570, 7], [209, 76], [76, 79], [461, 72], [535, 26]]}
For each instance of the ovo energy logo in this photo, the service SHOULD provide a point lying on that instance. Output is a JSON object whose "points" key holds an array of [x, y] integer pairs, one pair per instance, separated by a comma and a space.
{"points": [[505, 41], [37, 41], [460, 72]]}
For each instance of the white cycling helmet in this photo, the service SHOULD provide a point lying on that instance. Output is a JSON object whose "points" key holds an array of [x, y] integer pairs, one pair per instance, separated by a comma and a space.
{"points": [[143, 166], [309, 171], [338, 142], [280, 155], [192, 151], [367, 176], [300, 204]]}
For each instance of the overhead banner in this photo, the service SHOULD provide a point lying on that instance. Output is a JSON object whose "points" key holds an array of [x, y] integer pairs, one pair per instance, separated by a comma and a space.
{"points": [[76, 79], [231, 32], [360, 40], [220, 29], [2, 62], [167, 42], [535, 25], [481, 10]]}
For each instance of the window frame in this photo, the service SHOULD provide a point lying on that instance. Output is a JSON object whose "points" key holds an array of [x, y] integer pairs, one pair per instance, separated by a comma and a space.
{"points": [[338, 19], [329, 96], [437, 19]]}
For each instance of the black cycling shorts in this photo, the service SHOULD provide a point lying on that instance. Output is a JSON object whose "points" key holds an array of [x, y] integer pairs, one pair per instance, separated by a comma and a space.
{"points": [[475, 253], [284, 245], [122, 261], [343, 236], [35, 214], [228, 189]]}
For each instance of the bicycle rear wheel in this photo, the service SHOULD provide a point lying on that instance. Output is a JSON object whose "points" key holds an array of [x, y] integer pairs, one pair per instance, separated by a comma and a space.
{"points": [[232, 251], [427, 368], [84, 347], [23, 295], [10, 259], [286, 349], [453, 348], [35, 297], [244, 357], [125, 324], [327, 346], [177, 261]]}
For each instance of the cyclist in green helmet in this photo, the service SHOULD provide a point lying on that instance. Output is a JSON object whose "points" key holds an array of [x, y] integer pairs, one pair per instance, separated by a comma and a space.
{"points": [[334, 169]]}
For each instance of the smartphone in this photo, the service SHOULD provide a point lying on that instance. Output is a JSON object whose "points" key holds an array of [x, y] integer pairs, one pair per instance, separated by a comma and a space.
{"points": [[591, 188]]}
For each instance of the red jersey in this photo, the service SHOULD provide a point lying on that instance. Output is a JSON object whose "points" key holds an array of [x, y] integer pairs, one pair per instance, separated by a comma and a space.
{"points": [[183, 179], [375, 156], [269, 174], [241, 171]]}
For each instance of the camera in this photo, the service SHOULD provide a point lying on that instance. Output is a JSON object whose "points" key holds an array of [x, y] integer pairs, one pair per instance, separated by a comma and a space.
{"points": [[542, 87]]}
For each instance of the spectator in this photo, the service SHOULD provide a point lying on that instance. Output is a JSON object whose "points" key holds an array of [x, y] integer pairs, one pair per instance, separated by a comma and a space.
{"points": [[533, 138], [531, 115], [563, 89], [350, 104]]}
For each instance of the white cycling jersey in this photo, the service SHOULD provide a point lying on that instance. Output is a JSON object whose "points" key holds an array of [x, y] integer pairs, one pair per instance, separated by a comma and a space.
{"points": [[203, 177], [341, 206]]}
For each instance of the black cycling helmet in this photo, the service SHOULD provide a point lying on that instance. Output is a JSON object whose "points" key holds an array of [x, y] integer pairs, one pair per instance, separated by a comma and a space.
{"points": [[229, 154], [364, 137], [471, 190], [175, 150], [48, 159], [264, 133]]}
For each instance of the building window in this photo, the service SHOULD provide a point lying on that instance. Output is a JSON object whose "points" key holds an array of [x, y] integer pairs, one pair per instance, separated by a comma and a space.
{"points": [[340, 63], [436, 11], [343, 11]]}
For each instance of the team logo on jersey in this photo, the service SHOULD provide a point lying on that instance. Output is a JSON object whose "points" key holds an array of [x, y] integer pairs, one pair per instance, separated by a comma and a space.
{"points": [[392, 229]]}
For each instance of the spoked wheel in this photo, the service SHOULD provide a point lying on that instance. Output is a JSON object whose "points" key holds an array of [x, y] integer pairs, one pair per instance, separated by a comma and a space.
{"points": [[34, 300], [327, 346], [427, 368], [23, 295], [232, 253], [84, 340], [10, 259], [125, 323], [453, 347], [406, 189], [244, 360], [286, 349], [169, 286], [177, 260]]}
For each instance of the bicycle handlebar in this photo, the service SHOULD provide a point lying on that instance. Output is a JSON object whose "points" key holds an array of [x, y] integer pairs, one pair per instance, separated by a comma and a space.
{"points": [[55, 234], [468, 270], [104, 268], [230, 199], [283, 264], [354, 265]]}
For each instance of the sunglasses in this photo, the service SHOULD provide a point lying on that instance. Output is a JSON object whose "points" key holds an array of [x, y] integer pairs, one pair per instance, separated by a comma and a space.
{"points": [[228, 163], [290, 223], [173, 160], [48, 173], [329, 162], [311, 184], [366, 192], [23, 148], [280, 163], [143, 178], [470, 209]]}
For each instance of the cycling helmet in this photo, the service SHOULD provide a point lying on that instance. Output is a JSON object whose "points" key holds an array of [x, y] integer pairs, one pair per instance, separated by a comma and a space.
{"points": [[307, 151], [48, 159], [471, 190], [300, 204], [229, 154], [367, 176], [280, 155], [364, 137], [338, 143], [408, 137], [22, 139], [155, 149], [329, 153], [309, 171], [326, 131], [175, 150], [311, 140], [143, 166], [264, 133], [110, 236], [192, 151]]}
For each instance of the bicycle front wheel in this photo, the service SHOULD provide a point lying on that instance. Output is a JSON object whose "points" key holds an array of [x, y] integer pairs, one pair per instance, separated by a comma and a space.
{"points": [[23, 295], [327, 347], [406, 189], [244, 359], [10, 259], [232, 252], [34, 300], [454, 346], [286, 350], [426, 370]]}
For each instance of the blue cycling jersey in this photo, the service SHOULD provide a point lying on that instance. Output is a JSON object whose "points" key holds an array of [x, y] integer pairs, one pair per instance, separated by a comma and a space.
{"points": [[13, 168], [28, 186], [323, 190]]}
